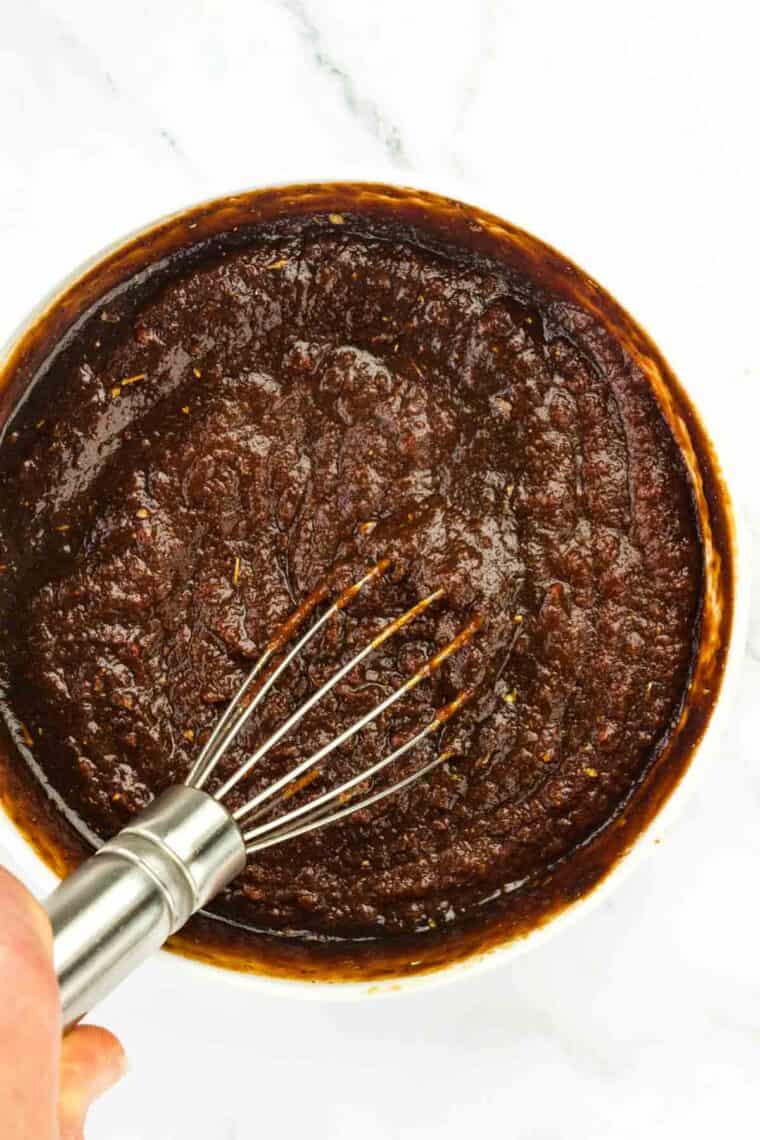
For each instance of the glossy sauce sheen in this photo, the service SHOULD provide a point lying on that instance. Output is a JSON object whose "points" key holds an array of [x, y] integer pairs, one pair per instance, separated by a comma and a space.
{"points": [[229, 434]]}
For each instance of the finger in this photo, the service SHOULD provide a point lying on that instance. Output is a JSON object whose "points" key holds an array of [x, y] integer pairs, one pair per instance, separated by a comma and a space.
{"points": [[33, 920], [30, 1016], [92, 1060]]}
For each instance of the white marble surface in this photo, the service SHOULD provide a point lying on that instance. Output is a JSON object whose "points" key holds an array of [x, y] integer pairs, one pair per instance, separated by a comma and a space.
{"points": [[626, 134]]}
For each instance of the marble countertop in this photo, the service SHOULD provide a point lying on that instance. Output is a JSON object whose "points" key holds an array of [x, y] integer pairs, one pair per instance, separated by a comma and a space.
{"points": [[625, 134]]}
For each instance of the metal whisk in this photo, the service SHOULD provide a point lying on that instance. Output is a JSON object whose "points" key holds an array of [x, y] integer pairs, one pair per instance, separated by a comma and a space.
{"points": [[144, 884]]}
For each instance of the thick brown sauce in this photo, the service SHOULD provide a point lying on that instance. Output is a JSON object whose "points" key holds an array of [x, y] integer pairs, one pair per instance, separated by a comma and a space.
{"points": [[274, 407]]}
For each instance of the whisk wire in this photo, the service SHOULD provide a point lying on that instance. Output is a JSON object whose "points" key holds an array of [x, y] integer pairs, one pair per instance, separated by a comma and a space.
{"points": [[350, 809], [300, 713], [411, 683], [239, 710], [313, 809], [319, 812]]}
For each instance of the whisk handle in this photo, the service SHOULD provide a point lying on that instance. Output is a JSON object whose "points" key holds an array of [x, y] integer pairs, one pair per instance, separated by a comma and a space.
{"points": [[140, 887]]}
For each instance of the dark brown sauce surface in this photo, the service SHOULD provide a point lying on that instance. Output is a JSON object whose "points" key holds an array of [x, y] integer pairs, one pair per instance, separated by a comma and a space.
{"points": [[279, 405]]}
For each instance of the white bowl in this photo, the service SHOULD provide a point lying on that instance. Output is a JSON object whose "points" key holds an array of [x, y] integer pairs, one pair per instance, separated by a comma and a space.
{"points": [[42, 879]]}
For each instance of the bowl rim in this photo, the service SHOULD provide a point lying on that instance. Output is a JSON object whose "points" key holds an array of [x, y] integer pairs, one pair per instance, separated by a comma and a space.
{"points": [[171, 965]]}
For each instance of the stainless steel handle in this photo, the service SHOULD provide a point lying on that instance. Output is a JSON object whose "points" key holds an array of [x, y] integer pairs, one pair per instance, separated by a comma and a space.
{"points": [[141, 886]]}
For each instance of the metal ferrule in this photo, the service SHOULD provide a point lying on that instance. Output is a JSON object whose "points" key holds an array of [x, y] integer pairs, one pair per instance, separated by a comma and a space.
{"points": [[140, 887]]}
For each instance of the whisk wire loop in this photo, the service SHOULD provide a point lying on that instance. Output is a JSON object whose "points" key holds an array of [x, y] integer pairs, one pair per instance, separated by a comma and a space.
{"points": [[284, 827], [319, 812], [314, 699], [240, 710]]}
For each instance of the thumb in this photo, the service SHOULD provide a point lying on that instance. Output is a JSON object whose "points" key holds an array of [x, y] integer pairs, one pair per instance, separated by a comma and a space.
{"points": [[92, 1060]]}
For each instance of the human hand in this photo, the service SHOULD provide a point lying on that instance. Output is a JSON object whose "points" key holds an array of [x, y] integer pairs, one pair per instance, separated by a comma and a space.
{"points": [[47, 1083]]}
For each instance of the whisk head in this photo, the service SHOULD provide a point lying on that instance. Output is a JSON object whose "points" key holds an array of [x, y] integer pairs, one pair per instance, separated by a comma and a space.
{"points": [[337, 802], [187, 845]]}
